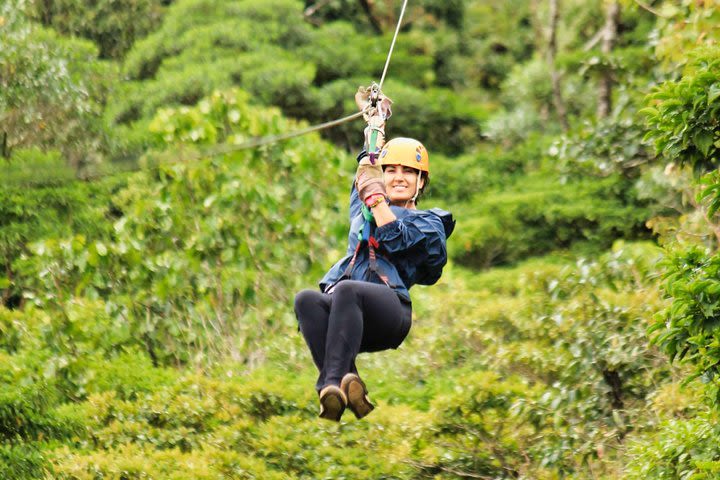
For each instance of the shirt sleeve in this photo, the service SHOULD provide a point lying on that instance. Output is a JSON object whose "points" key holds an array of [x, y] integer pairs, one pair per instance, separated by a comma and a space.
{"points": [[419, 237]]}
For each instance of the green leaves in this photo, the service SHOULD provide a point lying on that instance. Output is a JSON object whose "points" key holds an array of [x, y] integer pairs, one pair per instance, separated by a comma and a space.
{"points": [[683, 116], [205, 254], [689, 329]]}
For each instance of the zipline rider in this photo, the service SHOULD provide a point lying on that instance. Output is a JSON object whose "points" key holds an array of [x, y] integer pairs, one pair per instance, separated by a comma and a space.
{"points": [[364, 304]]}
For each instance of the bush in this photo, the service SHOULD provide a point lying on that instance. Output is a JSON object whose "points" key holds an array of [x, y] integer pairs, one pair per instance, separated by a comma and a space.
{"points": [[22, 462], [683, 115], [680, 448], [45, 91], [474, 430], [540, 214], [687, 329], [187, 288]]}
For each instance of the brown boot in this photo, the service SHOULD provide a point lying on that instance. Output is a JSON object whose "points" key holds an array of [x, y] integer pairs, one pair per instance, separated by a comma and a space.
{"points": [[332, 403], [357, 395]]}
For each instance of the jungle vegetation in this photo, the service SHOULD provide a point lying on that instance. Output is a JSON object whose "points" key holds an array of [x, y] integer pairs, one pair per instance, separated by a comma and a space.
{"points": [[146, 285]]}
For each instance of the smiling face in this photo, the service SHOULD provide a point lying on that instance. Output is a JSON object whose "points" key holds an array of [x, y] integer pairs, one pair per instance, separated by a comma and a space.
{"points": [[401, 183]]}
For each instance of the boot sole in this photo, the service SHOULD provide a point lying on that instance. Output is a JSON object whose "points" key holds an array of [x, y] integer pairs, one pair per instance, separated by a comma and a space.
{"points": [[332, 405], [356, 392]]}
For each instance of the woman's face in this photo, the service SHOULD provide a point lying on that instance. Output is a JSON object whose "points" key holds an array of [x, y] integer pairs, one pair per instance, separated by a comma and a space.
{"points": [[401, 183]]}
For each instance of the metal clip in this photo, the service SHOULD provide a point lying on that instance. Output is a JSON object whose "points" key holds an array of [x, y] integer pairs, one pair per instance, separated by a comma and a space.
{"points": [[374, 94]]}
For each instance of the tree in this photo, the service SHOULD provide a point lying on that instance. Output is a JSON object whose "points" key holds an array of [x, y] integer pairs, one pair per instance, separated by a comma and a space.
{"points": [[554, 74], [51, 90], [609, 37]]}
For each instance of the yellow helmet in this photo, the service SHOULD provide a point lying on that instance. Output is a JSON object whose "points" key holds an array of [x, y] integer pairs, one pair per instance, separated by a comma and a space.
{"points": [[407, 152]]}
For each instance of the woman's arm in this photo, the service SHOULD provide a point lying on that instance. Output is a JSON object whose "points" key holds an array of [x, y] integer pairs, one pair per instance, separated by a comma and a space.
{"points": [[421, 233]]}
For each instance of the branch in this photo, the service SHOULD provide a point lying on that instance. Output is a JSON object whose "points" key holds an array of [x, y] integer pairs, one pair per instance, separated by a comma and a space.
{"points": [[594, 41], [310, 11], [651, 9], [373, 21]]}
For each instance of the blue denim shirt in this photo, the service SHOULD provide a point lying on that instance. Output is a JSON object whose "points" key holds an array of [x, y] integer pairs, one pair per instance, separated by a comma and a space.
{"points": [[412, 248]]}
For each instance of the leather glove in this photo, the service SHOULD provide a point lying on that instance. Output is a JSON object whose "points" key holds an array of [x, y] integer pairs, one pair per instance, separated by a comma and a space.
{"points": [[369, 181]]}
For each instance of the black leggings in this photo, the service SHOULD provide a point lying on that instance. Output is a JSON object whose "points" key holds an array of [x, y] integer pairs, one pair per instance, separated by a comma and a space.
{"points": [[356, 317]]}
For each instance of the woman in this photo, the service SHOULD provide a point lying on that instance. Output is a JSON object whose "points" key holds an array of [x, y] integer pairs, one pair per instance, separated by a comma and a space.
{"points": [[363, 304]]}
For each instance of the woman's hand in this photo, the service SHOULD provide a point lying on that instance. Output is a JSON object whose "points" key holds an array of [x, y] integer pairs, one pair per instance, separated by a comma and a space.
{"points": [[369, 180]]}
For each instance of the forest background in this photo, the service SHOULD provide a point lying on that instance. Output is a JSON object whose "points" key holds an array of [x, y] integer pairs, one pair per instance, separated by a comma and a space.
{"points": [[146, 285]]}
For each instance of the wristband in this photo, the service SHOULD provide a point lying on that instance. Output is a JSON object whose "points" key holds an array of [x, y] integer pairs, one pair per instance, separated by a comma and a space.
{"points": [[375, 200]]}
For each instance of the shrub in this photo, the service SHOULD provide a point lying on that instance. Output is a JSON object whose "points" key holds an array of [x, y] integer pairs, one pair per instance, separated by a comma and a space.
{"points": [[687, 329], [43, 94], [22, 462], [185, 285], [474, 431], [539, 214], [679, 448], [683, 115]]}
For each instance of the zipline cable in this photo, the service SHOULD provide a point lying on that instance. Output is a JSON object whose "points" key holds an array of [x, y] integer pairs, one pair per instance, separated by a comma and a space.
{"points": [[258, 142], [392, 45]]}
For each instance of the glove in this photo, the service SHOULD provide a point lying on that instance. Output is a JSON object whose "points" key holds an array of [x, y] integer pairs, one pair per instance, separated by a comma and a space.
{"points": [[369, 181]]}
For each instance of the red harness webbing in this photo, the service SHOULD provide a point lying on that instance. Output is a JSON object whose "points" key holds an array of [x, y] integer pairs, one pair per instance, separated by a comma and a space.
{"points": [[372, 245]]}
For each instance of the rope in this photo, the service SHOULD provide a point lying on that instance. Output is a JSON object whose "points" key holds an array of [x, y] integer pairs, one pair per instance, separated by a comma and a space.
{"points": [[259, 142], [392, 45]]}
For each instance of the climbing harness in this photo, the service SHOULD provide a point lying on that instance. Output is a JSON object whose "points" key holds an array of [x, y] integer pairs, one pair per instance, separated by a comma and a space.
{"points": [[365, 236]]}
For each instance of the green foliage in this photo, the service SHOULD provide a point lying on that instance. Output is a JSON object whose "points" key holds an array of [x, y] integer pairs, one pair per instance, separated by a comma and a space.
{"points": [[39, 99], [498, 36], [687, 329], [44, 211], [204, 249], [21, 462], [51, 92], [475, 430], [612, 146], [541, 213], [681, 448], [173, 67], [147, 327], [711, 191], [683, 115], [114, 26]]}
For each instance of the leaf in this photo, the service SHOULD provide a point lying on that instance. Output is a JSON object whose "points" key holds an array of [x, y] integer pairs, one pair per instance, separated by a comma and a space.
{"points": [[101, 249], [703, 141], [713, 92]]}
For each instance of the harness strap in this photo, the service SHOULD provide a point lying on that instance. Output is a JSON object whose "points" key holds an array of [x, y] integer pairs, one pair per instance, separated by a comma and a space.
{"points": [[372, 243]]}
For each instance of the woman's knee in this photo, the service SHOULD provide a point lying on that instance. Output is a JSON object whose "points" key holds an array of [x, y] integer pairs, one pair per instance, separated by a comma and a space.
{"points": [[305, 298], [347, 290]]}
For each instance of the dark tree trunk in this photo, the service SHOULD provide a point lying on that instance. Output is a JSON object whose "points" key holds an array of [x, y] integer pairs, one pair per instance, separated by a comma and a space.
{"points": [[612, 378], [554, 74], [365, 4], [612, 19], [4, 151]]}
